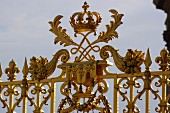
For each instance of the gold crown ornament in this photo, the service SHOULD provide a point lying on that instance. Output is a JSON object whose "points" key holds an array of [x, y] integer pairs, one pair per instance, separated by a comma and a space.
{"points": [[85, 21]]}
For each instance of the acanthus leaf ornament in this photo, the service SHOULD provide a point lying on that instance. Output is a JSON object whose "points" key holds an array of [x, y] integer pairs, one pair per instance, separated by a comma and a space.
{"points": [[85, 75], [61, 34], [111, 29], [85, 23]]}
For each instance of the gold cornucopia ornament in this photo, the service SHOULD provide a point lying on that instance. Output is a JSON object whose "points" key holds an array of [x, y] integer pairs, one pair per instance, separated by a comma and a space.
{"points": [[85, 72]]}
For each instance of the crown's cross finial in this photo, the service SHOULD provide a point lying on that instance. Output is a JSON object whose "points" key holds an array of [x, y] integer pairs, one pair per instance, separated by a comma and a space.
{"points": [[85, 6]]}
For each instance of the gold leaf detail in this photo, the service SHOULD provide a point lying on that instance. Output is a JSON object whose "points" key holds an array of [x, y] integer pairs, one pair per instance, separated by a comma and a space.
{"points": [[111, 29], [61, 34]]}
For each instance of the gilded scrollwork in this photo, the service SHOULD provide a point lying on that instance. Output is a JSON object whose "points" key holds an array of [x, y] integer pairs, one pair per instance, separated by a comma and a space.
{"points": [[18, 100], [123, 91], [4, 101], [7, 91], [84, 84], [85, 23], [41, 69], [129, 64], [38, 89], [156, 92], [48, 92], [149, 82]]}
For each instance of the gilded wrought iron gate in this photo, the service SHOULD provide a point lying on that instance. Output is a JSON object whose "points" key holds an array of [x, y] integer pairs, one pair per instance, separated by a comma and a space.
{"points": [[84, 80]]}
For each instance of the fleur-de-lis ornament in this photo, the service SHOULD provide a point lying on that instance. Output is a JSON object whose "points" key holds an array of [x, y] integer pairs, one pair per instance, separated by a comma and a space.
{"points": [[12, 70], [163, 60]]}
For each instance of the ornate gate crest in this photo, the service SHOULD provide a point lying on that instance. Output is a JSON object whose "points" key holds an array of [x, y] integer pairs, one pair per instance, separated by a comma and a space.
{"points": [[88, 73], [85, 23], [85, 72], [84, 79]]}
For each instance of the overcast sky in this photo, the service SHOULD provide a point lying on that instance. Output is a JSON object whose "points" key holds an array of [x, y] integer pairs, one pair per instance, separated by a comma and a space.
{"points": [[24, 28]]}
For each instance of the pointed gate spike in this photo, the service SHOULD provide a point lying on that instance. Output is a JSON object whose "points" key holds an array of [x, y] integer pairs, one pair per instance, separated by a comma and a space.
{"points": [[148, 60], [25, 68]]}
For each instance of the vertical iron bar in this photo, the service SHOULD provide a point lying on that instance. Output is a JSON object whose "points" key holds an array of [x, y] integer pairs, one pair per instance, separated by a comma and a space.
{"points": [[147, 87], [163, 93], [115, 99], [53, 97], [131, 95], [11, 99], [24, 105], [147, 101], [38, 97]]}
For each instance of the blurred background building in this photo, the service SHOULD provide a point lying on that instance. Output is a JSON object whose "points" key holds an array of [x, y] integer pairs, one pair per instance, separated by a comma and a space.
{"points": [[165, 6]]}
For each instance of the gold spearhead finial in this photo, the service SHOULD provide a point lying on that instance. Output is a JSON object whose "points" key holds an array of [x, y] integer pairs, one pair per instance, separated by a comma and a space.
{"points": [[25, 68], [148, 60]]}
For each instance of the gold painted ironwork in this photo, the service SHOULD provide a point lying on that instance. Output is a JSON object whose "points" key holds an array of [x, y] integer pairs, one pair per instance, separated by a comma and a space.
{"points": [[12, 70], [84, 85], [84, 26]]}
